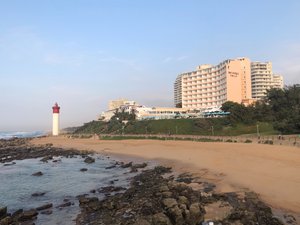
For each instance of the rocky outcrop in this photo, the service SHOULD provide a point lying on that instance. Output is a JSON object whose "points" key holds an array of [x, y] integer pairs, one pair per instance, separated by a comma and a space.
{"points": [[45, 206], [37, 194], [154, 200], [3, 212], [126, 165], [19, 149], [28, 215], [63, 205], [37, 174], [89, 160]]}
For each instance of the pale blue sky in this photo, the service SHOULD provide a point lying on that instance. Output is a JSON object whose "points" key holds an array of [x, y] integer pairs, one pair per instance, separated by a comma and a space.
{"points": [[82, 53]]}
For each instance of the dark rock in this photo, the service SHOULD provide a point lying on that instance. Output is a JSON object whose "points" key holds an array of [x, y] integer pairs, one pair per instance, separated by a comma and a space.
{"points": [[127, 165], [185, 178], [196, 213], [37, 194], [81, 196], [133, 170], [290, 219], [46, 158], [208, 187], [86, 200], [141, 221], [19, 149], [93, 191], [9, 164], [144, 203], [167, 194], [37, 174], [89, 160], [83, 169], [138, 166], [3, 212], [64, 205], [17, 213], [110, 167], [163, 188], [169, 202], [175, 215], [161, 219], [47, 212], [183, 200], [6, 221], [111, 189], [43, 207], [28, 215]]}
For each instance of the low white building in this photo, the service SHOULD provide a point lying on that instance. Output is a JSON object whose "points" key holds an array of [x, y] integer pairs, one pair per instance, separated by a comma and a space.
{"points": [[157, 113], [115, 104], [263, 79], [107, 115]]}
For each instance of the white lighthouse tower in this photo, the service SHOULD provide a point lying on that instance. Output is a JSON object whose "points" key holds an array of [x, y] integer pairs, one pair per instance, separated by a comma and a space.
{"points": [[55, 125]]}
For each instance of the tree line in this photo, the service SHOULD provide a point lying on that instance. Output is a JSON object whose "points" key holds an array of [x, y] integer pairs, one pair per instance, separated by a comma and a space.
{"points": [[281, 107]]}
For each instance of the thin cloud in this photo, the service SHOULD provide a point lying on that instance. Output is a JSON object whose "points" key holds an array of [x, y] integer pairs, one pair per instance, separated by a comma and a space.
{"points": [[174, 59], [128, 62], [63, 59], [286, 63], [23, 44]]}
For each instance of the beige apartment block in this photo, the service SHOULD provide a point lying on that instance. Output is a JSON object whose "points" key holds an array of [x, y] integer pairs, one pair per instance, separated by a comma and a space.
{"points": [[263, 79], [210, 86], [115, 104]]}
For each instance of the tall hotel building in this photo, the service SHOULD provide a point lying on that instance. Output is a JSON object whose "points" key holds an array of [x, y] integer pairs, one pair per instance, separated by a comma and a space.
{"points": [[210, 86], [263, 79]]}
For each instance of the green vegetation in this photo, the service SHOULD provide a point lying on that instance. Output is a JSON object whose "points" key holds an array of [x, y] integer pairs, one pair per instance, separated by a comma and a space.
{"points": [[281, 107], [124, 137], [208, 126]]}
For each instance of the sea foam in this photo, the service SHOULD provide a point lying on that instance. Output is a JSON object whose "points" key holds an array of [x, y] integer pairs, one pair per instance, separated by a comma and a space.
{"points": [[20, 134]]}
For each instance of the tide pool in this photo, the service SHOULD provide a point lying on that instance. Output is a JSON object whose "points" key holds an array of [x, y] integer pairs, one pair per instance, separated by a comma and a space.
{"points": [[61, 181]]}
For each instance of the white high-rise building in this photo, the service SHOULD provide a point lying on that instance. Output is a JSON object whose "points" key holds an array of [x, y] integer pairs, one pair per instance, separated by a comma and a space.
{"points": [[263, 79]]}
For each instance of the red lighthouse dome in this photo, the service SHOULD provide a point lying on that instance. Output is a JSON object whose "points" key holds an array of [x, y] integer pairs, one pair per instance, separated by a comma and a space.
{"points": [[55, 108]]}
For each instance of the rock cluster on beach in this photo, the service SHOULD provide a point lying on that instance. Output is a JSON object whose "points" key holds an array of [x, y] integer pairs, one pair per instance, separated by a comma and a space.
{"points": [[19, 149], [155, 200], [18, 217]]}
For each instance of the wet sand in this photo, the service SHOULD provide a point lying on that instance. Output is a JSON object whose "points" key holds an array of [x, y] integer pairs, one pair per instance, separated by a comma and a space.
{"points": [[271, 171]]}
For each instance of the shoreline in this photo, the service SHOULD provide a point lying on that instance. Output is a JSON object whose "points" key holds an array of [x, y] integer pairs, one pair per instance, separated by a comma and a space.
{"points": [[272, 171], [47, 204], [187, 195]]}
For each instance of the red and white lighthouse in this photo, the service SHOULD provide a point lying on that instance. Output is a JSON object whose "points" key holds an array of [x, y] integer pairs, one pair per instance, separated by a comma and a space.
{"points": [[55, 124]]}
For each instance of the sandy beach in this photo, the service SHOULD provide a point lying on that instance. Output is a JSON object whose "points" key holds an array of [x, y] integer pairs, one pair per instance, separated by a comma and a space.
{"points": [[271, 171]]}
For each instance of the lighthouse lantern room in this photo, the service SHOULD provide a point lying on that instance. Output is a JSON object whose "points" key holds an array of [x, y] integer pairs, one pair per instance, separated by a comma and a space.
{"points": [[55, 125]]}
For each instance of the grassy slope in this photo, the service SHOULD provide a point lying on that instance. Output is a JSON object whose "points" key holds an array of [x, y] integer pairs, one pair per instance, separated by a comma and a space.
{"points": [[220, 126]]}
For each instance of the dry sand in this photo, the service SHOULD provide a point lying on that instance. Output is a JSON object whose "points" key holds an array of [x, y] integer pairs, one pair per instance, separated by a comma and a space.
{"points": [[271, 171]]}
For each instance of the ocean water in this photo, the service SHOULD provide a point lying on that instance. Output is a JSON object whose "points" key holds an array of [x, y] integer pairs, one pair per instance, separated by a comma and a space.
{"points": [[60, 180], [20, 134]]}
